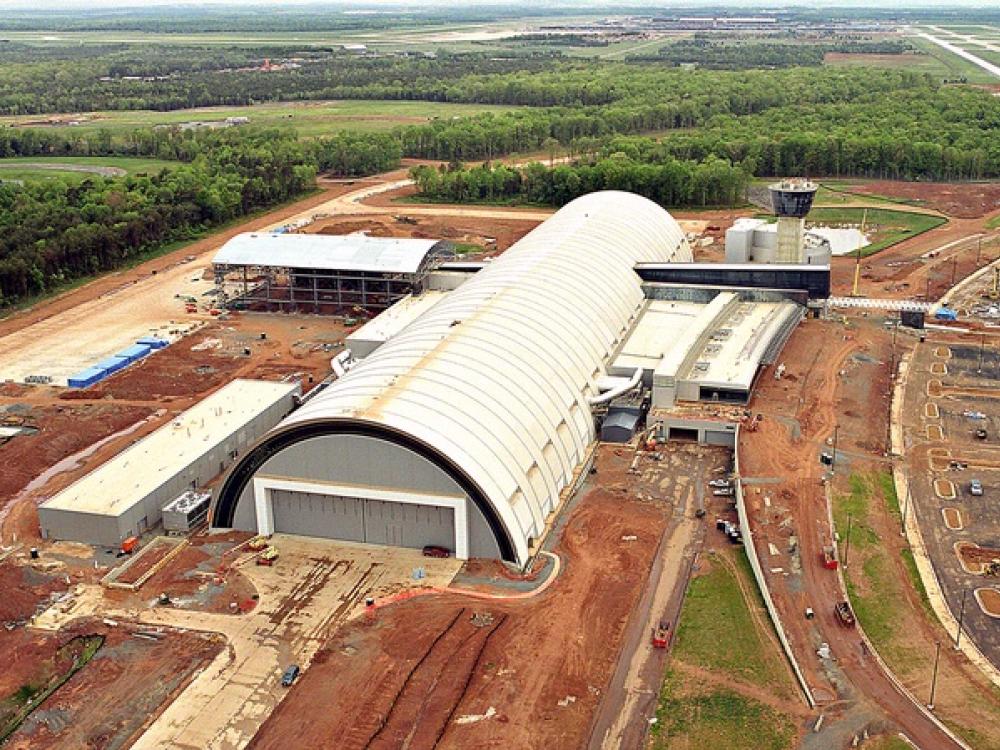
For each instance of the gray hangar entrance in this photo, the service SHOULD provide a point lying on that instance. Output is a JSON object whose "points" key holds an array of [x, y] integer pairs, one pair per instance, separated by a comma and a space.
{"points": [[359, 519]]}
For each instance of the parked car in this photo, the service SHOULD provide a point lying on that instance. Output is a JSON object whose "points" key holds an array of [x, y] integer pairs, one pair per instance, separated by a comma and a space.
{"points": [[981, 434], [289, 676], [723, 492], [718, 482], [432, 550], [975, 487], [844, 614]]}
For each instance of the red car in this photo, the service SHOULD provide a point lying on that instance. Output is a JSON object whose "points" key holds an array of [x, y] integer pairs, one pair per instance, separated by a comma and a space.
{"points": [[432, 550]]}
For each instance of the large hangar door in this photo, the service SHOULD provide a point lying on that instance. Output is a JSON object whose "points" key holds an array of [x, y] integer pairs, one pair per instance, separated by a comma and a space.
{"points": [[409, 525], [356, 519], [313, 514]]}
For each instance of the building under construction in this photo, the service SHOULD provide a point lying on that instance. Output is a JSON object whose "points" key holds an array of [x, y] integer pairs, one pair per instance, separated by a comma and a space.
{"points": [[324, 274]]}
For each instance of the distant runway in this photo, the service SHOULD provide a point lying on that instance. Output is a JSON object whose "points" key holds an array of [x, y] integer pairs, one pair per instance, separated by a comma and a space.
{"points": [[987, 66]]}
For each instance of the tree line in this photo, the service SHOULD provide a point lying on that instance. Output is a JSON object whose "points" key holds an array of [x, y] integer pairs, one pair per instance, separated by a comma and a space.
{"points": [[672, 182], [53, 232]]}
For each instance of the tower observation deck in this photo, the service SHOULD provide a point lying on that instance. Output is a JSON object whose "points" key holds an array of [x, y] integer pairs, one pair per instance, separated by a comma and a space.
{"points": [[791, 201]]}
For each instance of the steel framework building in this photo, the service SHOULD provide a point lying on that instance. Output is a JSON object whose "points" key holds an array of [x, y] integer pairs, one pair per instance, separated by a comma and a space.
{"points": [[323, 273]]}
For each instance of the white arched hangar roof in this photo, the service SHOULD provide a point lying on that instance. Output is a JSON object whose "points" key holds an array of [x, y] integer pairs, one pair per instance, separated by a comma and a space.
{"points": [[496, 376]]}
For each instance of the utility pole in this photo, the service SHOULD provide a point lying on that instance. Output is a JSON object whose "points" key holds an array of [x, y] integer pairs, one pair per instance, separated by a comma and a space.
{"points": [[954, 269], [937, 658], [979, 252], [982, 345], [906, 507], [833, 462], [847, 544], [961, 619]]}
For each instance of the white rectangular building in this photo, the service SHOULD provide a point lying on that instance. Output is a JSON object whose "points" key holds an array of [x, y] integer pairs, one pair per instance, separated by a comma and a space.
{"points": [[124, 496]]}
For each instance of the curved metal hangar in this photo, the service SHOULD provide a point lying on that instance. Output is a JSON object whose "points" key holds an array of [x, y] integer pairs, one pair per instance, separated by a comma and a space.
{"points": [[462, 430]]}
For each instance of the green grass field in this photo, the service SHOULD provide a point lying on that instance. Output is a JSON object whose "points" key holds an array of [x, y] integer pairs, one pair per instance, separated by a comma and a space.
{"points": [[923, 63], [717, 718], [715, 615], [718, 634], [310, 119], [884, 226], [75, 169], [954, 65], [890, 227]]}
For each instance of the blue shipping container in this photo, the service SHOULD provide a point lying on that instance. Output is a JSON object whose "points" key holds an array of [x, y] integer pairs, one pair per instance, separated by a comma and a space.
{"points": [[111, 364], [946, 313], [86, 378], [153, 342], [134, 352]]}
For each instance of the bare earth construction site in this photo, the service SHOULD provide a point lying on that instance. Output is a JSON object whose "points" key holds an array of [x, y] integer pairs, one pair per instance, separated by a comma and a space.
{"points": [[376, 470]]}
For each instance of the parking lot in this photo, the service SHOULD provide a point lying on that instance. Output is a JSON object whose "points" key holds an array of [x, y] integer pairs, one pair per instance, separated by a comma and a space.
{"points": [[952, 433]]}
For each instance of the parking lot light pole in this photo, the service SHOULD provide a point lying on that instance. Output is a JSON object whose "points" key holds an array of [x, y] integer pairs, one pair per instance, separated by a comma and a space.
{"points": [[937, 658], [961, 619]]}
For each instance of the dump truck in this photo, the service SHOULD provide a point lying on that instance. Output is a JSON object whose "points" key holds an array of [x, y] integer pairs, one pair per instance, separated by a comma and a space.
{"points": [[844, 614]]}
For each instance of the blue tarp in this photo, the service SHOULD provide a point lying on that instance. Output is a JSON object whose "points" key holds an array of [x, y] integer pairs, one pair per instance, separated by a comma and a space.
{"points": [[111, 364], [134, 352], [86, 378], [153, 342]]}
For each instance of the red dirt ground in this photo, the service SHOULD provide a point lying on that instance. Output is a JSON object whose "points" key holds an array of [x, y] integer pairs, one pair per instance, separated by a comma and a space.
{"points": [[22, 590], [962, 200], [836, 377], [540, 664], [123, 689], [195, 576], [474, 231]]}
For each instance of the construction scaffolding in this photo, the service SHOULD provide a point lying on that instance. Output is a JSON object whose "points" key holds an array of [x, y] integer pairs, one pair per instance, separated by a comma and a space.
{"points": [[325, 274]]}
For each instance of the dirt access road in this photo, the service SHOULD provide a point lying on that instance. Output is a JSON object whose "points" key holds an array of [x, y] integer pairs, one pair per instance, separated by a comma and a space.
{"points": [[622, 719], [785, 497]]}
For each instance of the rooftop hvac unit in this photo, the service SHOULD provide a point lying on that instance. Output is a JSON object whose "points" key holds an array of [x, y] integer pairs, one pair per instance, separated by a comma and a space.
{"points": [[712, 349], [702, 366], [722, 334], [186, 511]]}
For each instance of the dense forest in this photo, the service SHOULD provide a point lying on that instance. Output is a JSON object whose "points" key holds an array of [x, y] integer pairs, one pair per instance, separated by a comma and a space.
{"points": [[52, 232], [671, 182]]}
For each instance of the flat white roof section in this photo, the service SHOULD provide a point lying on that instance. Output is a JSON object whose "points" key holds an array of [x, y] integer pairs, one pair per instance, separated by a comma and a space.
{"points": [[737, 344], [350, 252], [389, 323], [142, 468], [662, 326]]}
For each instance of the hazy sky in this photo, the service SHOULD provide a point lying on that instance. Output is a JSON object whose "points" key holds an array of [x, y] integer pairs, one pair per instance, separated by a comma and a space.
{"points": [[43, 5], [595, 5]]}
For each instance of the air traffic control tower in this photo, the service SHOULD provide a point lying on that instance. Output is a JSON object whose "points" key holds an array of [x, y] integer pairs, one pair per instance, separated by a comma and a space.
{"points": [[791, 201]]}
